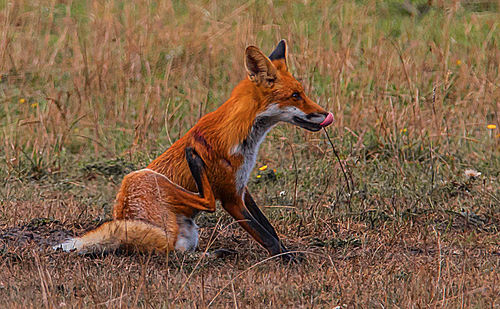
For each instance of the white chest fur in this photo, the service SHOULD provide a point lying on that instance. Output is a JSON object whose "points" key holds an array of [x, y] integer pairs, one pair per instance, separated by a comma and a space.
{"points": [[249, 148]]}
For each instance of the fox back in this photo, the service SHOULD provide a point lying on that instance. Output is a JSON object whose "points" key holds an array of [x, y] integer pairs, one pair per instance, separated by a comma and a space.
{"points": [[228, 139]]}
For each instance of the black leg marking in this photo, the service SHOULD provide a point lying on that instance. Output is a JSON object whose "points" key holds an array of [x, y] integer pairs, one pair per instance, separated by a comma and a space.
{"points": [[272, 244], [196, 166], [259, 216]]}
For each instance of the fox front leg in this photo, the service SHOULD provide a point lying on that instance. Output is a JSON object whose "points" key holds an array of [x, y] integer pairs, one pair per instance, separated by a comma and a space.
{"points": [[256, 224], [261, 218]]}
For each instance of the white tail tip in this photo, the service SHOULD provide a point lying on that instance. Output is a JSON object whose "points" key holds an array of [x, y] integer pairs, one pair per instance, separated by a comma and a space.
{"points": [[69, 245]]}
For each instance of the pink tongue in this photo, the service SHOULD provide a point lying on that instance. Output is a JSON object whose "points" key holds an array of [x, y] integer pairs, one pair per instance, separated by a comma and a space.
{"points": [[328, 120]]}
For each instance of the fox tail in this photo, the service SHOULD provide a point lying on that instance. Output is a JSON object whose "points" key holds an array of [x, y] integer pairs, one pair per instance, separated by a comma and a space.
{"points": [[117, 234]]}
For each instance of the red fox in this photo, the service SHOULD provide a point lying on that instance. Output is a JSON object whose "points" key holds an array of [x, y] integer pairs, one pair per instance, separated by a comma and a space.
{"points": [[153, 211]]}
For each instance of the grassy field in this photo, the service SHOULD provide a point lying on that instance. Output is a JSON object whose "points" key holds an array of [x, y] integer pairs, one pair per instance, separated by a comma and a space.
{"points": [[91, 90]]}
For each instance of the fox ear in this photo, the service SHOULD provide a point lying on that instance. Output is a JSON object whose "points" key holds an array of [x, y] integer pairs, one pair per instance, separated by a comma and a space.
{"points": [[259, 68], [279, 54]]}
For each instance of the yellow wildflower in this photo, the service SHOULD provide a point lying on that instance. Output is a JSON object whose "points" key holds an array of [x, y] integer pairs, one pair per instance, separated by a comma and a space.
{"points": [[34, 105], [263, 168], [22, 101], [259, 176], [403, 130], [491, 126], [459, 62]]}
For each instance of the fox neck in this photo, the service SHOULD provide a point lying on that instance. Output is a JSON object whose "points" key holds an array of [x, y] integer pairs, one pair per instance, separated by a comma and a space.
{"points": [[244, 121], [249, 148]]}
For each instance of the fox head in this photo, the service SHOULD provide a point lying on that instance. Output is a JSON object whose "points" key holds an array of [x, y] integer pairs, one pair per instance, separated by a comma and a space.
{"points": [[284, 97]]}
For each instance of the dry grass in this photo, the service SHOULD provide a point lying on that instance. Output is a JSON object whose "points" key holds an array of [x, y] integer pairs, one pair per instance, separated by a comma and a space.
{"points": [[90, 90]]}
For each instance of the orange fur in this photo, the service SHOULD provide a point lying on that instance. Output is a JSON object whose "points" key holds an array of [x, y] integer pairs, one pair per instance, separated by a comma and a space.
{"points": [[122, 234], [149, 214], [220, 138]]}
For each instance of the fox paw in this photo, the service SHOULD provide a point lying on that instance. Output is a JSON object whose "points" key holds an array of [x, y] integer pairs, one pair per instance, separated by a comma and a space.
{"points": [[292, 257], [221, 253]]}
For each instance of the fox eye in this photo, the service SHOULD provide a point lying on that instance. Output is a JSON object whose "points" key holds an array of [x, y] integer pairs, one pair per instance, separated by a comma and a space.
{"points": [[296, 96]]}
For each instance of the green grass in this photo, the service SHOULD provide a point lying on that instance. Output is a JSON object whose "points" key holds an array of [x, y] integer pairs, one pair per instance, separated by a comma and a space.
{"points": [[93, 91]]}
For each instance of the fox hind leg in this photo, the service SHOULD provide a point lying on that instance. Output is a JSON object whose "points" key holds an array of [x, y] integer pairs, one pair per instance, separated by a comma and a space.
{"points": [[196, 166]]}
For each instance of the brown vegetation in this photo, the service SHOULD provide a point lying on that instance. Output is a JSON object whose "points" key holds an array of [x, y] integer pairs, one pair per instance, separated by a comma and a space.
{"points": [[91, 90]]}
